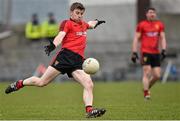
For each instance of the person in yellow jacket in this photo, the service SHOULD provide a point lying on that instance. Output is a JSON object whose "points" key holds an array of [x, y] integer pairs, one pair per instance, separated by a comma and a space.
{"points": [[33, 28], [50, 27]]}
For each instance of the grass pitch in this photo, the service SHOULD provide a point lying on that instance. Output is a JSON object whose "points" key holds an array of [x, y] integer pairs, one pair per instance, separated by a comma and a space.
{"points": [[62, 101]]}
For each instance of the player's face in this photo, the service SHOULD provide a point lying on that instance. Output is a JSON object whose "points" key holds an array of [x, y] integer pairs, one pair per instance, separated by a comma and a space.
{"points": [[151, 15], [77, 14]]}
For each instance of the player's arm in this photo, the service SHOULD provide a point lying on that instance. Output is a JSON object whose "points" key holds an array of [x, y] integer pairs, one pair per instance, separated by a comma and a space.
{"points": [[163, 41], [135, 41], [134, 46], [53, 44], [94, 24], [58, 39], [163, 45]]}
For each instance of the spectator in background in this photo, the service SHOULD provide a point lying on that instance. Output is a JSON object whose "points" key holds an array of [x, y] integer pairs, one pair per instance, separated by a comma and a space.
{"points": [[50, 27], [33, 28]]}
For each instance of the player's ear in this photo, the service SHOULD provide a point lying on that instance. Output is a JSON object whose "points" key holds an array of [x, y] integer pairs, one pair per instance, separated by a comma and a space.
{"points": [[71, 13]]}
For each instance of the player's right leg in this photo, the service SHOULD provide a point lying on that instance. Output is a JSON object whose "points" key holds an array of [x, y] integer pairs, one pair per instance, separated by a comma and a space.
{"points": [[46, 78], [146, 80]]}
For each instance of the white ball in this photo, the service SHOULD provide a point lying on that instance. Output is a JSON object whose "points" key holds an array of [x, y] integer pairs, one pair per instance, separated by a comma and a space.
{"points": [[90, 66]]}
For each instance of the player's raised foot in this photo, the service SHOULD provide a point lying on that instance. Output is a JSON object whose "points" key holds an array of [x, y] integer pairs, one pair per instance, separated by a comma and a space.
{"points": [[95, 112], [14, 86]]}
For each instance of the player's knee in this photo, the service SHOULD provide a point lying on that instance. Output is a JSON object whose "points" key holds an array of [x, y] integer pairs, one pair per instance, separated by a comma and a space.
{"points": [[146, 75], [42, 84], [157, 76]]}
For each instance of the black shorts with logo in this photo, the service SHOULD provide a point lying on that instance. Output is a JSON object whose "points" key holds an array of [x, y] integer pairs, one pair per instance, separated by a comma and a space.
{"points": [[67, 61], [151, 59]]}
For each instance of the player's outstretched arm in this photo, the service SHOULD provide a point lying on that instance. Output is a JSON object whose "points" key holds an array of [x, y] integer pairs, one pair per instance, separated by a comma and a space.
{"points": [[95, 23], [53, 44]]}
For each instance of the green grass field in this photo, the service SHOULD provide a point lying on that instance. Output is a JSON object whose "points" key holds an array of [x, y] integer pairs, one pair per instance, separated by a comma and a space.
{"points": [[123, 101]]}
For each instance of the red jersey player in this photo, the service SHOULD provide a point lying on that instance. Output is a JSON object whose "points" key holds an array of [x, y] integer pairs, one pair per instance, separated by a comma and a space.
{"points": [[150, 33], [69, 59]]}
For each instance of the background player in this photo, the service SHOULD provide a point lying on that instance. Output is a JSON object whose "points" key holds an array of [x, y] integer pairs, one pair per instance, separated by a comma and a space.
{"points": [[150, 33], [69, 59]]}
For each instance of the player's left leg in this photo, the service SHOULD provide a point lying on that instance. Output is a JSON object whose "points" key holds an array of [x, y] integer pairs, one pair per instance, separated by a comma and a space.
{"points": [[156, 74], [86, 81]]}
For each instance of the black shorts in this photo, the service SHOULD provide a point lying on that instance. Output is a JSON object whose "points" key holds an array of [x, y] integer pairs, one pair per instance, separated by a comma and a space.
{"points": [[66, 61], [151, 59]]}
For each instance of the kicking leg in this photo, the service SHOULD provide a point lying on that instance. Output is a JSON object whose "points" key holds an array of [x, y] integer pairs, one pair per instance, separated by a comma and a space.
{"points": [[46, 78]]}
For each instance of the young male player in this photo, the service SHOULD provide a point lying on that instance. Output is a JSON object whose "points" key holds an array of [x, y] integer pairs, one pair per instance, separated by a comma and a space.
{"points": [[150, 33], [69, 59]]}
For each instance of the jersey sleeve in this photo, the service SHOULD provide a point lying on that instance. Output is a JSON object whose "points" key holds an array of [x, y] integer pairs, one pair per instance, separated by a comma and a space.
{"points": [[64, 26], [139, 28], [87, 25], [161, 27]]}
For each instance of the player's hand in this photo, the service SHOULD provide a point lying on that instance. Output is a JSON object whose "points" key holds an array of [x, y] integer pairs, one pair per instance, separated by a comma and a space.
{"points": [[163, 54], [49, 48], [134, 57], [99, 22]]}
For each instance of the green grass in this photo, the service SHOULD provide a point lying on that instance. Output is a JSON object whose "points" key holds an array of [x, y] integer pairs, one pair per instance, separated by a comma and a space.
{"points": [[64, 101]]}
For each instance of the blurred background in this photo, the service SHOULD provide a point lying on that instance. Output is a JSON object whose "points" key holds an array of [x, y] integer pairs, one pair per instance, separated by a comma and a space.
{"points": [[21, 56]]}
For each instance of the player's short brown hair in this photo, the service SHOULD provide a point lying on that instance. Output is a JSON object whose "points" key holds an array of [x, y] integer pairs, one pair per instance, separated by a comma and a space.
{"points": [[77, 5], [151, 8]]}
